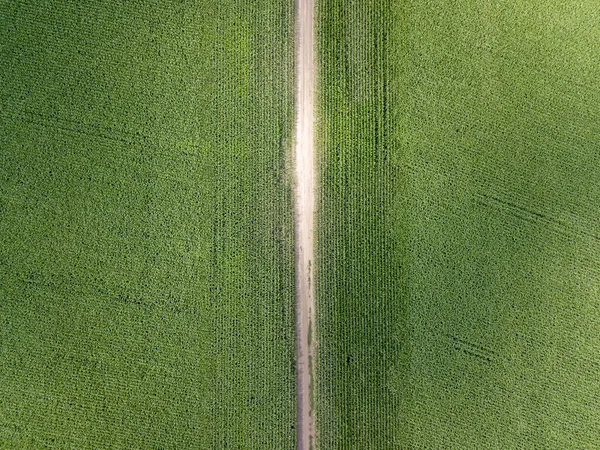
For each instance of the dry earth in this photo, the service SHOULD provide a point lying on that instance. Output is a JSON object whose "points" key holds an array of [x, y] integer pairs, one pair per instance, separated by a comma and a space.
{"points": [[304, 214]]}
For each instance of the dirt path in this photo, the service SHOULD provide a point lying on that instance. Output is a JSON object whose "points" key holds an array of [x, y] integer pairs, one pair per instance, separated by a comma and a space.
{"points": [[304, 213]]}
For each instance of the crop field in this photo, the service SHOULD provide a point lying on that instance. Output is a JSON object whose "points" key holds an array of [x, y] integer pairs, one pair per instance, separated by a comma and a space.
{"points": [[148, 237], [458, 244], [146, 225]]}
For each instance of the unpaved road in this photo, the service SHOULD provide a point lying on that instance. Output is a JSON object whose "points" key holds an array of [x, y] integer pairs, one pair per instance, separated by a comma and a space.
{"points": [[304, 213]]}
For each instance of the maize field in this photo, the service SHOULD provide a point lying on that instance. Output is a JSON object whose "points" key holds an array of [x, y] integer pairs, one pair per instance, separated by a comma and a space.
{"points": [[147, 229], [458, 225], [146, 225]]}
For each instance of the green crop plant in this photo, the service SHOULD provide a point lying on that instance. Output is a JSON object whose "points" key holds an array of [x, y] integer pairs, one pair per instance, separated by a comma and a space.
{"points": [[458, 232], [146, 228]]}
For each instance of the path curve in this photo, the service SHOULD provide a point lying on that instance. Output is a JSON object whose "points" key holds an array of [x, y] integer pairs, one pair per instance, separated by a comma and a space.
{"points": [[304, 214]]}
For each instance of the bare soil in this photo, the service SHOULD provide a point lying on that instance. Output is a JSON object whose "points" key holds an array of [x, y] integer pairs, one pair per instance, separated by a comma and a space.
{"points": [[304, 214]]}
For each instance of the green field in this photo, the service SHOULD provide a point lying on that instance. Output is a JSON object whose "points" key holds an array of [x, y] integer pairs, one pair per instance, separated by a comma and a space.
{"points": [[458, 225], [146, 228]]}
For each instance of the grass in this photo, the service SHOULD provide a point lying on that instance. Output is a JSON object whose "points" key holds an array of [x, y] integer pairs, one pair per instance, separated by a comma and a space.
{"points": [[146, 229], [458, 232]]}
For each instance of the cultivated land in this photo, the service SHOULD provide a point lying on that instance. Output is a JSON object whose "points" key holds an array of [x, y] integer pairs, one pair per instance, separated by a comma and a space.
{"points": [[458, 225], [304, 212], [146, 225]]}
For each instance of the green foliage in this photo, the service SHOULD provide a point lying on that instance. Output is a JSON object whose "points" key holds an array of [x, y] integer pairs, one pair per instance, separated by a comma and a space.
{"points": [[458, 232], [146, 228]]}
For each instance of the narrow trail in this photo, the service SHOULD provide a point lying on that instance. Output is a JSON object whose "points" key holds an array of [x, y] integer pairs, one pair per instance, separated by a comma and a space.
{"points": [[304, 172]]}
